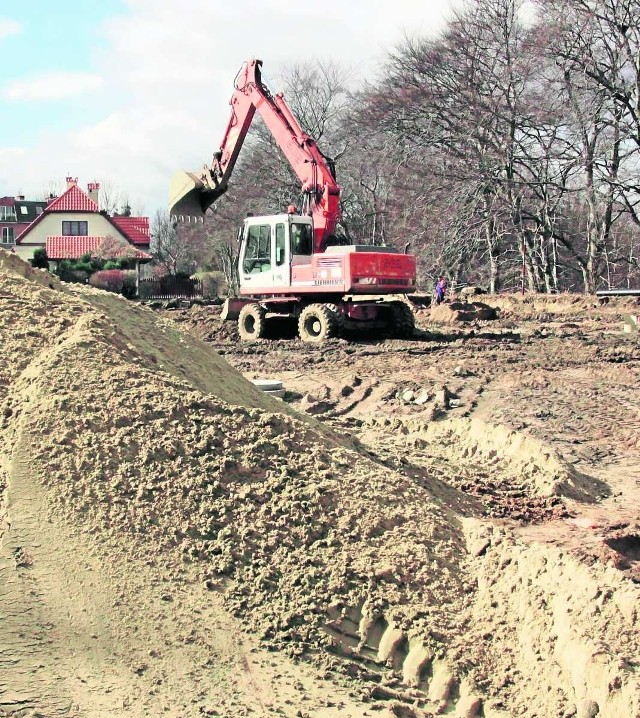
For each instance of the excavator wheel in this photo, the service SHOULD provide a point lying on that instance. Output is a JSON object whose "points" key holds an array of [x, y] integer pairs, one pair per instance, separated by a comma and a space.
{"points": [[252, 322], [403, 320], [339, 316], [319, 322]]}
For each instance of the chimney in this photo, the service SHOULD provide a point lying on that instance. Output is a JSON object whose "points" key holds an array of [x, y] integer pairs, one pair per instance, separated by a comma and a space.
{"points": [[71, 182], [20, 197], [94, 190]]}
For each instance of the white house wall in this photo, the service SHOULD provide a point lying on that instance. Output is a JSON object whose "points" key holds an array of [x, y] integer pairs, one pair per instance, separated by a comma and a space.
{"points": [[51, 225]]}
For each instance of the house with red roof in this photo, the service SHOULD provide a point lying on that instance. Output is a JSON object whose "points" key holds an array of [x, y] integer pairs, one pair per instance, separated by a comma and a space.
{"points": [[72, 225]]}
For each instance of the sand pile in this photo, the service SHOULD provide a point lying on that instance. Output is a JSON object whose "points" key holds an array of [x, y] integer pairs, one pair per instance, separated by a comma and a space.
{"points": [[155, 449], [539, 608], [145, 479]]}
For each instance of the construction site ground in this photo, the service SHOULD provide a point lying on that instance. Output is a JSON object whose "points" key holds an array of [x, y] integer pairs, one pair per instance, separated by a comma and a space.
{"points": [[560, 370], [447, 525]]}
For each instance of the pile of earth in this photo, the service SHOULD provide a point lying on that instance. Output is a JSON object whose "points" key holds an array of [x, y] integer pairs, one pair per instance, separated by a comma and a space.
{"points": [[563, 307], [460, 311], [204, 322], [133, 450]]}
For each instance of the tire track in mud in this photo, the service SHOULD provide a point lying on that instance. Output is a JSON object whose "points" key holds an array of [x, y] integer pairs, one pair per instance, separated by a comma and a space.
{"points": [[397, 669]]}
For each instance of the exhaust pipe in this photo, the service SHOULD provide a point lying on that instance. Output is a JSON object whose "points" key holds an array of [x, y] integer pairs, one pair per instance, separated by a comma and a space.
{"points": [[190, 198]]}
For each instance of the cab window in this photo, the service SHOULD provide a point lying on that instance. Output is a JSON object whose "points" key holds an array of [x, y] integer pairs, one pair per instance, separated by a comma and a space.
{"points": [[301, 239], [280, 244], [257, 255]]}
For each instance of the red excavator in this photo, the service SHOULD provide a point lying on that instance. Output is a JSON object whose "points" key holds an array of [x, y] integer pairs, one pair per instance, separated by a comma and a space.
{"points": [[293, 264]]}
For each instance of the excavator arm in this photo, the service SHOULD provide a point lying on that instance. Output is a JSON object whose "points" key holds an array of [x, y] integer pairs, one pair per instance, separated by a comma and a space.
{"points": [[193, 193]]}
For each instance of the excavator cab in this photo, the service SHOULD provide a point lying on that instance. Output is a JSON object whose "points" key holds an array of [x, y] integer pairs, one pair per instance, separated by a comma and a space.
{"points": [[269, 247]]}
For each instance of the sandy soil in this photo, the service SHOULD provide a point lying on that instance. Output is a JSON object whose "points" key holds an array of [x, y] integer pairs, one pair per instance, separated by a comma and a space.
{"points": [[447, 525]]}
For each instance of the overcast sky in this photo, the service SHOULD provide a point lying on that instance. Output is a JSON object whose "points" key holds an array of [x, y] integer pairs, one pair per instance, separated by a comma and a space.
{"points": [[126, 92]]}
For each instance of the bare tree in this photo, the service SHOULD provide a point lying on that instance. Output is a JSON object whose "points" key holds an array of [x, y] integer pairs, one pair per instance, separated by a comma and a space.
{"points": [[595, 46], [176, 248], [459, 102], [111, 197]]}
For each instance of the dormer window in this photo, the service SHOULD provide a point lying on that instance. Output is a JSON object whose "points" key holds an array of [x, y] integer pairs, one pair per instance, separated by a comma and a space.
{"points": [[74, 229], [7, 214]]}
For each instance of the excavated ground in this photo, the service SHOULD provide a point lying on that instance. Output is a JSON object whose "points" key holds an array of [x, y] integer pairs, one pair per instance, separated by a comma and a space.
{"points": [[447, 525]]}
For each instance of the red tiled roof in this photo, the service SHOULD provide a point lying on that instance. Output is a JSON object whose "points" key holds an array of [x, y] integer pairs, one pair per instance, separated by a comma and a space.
{"points": [[73, 200], [135, 229], [60, 247]]}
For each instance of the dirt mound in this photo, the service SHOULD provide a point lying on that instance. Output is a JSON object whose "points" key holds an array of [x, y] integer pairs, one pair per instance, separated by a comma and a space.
{"points": [[451, 312], [556, 306], [148, 483], [161, 453], [531, 598], [531, 460], [512, 475], [205, 323], [11, 264]]}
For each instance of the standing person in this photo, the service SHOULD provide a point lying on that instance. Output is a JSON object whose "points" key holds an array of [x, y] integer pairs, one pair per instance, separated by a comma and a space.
{"points": [[441, 289]]}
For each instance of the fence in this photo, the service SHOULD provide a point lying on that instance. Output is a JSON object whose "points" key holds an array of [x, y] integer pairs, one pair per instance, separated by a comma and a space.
{"points": [[170, 288]]}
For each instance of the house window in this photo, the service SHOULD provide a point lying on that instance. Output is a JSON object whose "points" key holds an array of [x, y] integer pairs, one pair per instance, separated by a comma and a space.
{"points": [[8, 214], [7, 235], [74, 229], [24, 210]]}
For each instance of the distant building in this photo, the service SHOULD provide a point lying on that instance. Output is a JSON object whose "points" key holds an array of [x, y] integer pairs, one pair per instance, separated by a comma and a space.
{"points": [[16, 214], [72, 225]]}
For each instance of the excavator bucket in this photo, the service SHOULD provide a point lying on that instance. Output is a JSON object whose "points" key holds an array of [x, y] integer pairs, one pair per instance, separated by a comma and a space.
{"points": [[189, 197]]}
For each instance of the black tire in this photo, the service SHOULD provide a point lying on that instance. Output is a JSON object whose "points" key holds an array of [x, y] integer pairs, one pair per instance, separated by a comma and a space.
{"points": [[318, 322], [339, 317], [252, 322], [403, 320]]}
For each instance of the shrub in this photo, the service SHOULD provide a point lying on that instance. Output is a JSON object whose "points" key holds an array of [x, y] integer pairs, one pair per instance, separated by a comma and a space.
{"points": [[112, 280], [40, 259], [129, 289], [68, 271]]}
